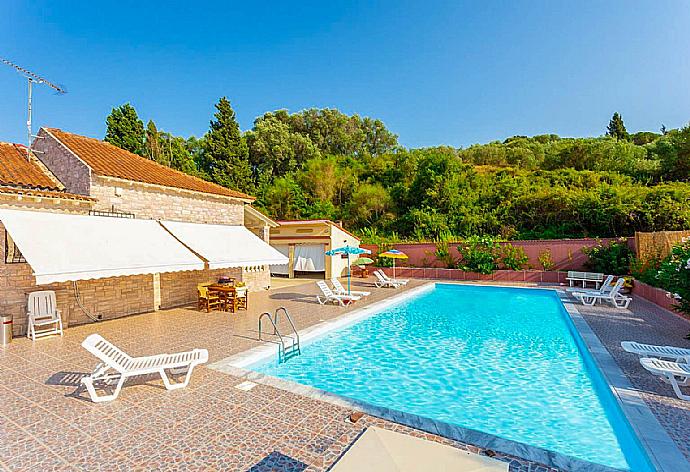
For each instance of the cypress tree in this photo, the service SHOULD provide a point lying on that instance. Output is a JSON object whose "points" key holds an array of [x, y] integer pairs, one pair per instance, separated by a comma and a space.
{"points": [[226, 156], [616, 128]]}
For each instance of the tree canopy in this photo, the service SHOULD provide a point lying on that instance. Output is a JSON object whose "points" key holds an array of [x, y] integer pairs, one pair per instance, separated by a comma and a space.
{"points": [[226, 158], [125, 130], [326, 164]]}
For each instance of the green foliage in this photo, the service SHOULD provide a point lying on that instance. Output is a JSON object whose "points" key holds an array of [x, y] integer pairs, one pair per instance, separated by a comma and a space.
{"points": [[546, 260], [125, 130], [616, 128], [674, 275], [443, 252], [512, 257], [671, 273], [615, 258], [283, 199], [326, 164], [479, 254], [226, 158]]}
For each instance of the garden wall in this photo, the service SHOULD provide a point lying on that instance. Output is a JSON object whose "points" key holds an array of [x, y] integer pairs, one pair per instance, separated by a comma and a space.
{"points": [[655, 295], [534, 276], [566, 253]]}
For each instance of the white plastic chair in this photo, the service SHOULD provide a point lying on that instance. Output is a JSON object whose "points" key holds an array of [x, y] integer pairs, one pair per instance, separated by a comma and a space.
{"points": [[381, 281], [614, 297], [338, 289], [327, 295], [675, 373], [677, 354], [125, 366], [43, 315], [395, 281]]}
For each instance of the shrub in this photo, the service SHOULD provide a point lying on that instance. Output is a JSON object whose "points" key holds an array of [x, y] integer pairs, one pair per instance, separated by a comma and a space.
{"points": [[614, 258], [674, 275], [546, 260], [513, 258], [443, 253], [480, 254]]}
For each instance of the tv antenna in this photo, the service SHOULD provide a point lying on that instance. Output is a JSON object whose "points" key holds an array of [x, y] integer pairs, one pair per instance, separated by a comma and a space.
{"points": [[32, 79]]}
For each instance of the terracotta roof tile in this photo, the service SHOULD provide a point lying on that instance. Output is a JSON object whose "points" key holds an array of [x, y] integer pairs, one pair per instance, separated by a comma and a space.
{"points": [[17, 170], [108, 160]]}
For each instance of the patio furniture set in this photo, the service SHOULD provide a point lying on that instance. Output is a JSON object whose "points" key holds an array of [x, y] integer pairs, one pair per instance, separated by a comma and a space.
{"points": [[225, 295]]}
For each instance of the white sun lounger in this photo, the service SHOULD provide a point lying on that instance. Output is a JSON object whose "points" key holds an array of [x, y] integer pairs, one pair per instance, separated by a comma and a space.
{"points": [[677, 354], [675, 373], [327, 295], [124, 366], [338, 289], [614, 297], [382, 281], [397, 281]]}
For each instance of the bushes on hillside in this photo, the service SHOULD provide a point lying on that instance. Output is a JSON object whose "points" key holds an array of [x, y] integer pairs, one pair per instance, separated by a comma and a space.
{"points": [[613, 258]]}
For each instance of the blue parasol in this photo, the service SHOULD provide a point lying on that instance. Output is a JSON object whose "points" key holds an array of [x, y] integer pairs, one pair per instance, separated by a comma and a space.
{"points": [[348, 250]]}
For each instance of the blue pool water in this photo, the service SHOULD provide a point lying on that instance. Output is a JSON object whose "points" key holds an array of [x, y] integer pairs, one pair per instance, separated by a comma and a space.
{"points": [[503, 361]]}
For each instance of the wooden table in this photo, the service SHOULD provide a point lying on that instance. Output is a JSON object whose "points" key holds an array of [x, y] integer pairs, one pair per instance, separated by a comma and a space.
{"points": [[227, 293]]}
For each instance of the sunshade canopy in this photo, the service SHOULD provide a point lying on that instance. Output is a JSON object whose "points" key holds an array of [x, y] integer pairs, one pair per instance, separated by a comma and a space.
{"points": [[225, 246], [363, 261], [348, 250], [62, 247], [394, 254]]}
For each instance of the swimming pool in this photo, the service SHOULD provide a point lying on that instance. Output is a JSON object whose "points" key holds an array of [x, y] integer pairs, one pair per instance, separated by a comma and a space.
{"points": [[503, 361]]}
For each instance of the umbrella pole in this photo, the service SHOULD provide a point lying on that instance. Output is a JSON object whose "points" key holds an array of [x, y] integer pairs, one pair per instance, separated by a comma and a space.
{"points": [[394, 268], [348, 273]]}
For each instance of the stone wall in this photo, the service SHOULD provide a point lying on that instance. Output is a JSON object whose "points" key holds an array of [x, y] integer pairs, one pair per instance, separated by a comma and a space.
{"points": [[57, 205], [74, 174], [179, 288], [110, 298], [162, 203], [257, 278]]}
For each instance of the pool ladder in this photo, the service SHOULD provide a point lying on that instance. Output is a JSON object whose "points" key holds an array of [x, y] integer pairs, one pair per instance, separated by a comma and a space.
{"points": [[285, 351]]}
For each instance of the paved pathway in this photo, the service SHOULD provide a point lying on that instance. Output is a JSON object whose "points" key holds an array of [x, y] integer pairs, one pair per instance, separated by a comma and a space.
{"points": [[647, 323], [47, 424]]}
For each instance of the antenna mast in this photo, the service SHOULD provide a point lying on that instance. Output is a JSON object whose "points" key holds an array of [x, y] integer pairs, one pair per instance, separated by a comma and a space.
{"points": [[32, 79]]}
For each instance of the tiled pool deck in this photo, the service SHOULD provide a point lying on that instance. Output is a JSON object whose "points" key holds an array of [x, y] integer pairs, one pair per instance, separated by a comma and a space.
{"points": [[212, 425]]}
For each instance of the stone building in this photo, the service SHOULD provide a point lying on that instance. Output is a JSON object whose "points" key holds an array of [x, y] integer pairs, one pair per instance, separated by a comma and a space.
{"points": [[76, 175]]}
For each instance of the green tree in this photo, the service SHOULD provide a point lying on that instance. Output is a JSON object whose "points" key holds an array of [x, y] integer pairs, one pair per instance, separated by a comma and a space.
{"points": [[283, 199], [275, 150], [152, 144], [125, 130], [616, 128], [226, 157]]}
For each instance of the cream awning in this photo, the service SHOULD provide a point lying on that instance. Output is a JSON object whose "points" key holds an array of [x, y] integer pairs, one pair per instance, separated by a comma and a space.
{"points": [[225, 246], [62, 247]]}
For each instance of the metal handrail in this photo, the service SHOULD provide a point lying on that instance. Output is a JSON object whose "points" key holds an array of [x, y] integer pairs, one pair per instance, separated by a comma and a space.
{"points": [[295, 342], [275, 332], [289, 318]]}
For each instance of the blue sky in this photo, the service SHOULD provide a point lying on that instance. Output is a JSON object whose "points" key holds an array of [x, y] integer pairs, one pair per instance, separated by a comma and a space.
{"points": [[451, 73]]}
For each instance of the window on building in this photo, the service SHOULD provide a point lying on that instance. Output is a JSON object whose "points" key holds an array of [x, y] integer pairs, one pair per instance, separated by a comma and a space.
{"points": [[12, 253]]}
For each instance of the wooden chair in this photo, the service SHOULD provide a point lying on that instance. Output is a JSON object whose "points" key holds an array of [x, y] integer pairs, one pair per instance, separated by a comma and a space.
{"points": [[242, 295], [207, 299]]}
